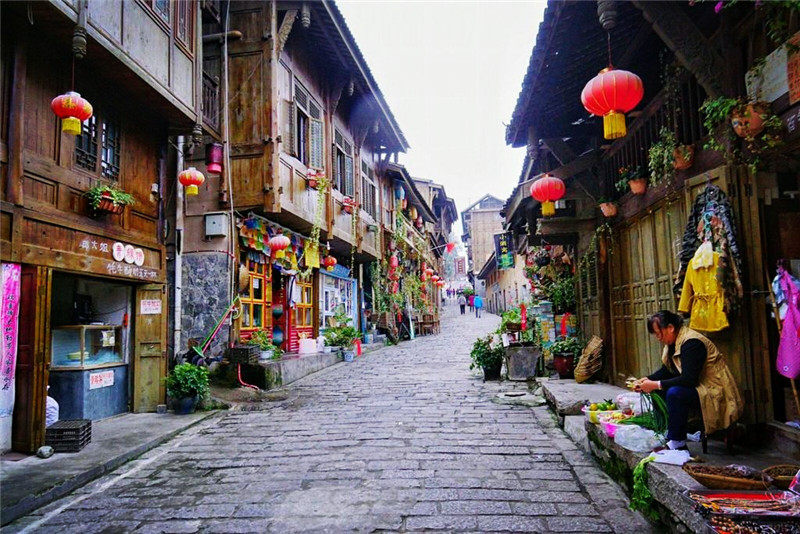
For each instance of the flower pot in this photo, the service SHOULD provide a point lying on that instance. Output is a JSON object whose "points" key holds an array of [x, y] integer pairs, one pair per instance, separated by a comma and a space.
{"points": [[638, 186], [349, 355], [264, 355], [564, 362], [185, 405], [521, 361], [683, 157], [347, 208], [108, 205], [312, 183], [609, 209], [750, 122], [492, 372]]}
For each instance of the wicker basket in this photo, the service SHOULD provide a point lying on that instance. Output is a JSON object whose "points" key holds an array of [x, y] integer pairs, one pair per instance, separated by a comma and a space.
{"points": [[591, 360], [781, 481], [723, 482]]}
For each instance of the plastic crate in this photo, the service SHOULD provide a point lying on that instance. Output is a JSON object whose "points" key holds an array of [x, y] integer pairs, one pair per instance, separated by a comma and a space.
{"points": [[69, 436], [244, 354]]}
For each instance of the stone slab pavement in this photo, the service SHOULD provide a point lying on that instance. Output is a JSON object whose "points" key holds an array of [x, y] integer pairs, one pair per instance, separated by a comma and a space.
{"points": [[405, 439]]}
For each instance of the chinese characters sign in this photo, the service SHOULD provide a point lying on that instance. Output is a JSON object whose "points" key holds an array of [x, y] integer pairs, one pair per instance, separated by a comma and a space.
{"points": [[150, 306], [503, 251], [122, 259], [101, 380], [10, 302]]}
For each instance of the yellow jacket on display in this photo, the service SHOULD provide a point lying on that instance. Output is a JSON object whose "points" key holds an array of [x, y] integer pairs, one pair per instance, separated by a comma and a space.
{"points": [[703, 295]]}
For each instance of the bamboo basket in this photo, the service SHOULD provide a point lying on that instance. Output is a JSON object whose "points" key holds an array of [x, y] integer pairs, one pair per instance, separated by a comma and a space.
{"points": [[781, 481], [724, 483], [591, 360]]}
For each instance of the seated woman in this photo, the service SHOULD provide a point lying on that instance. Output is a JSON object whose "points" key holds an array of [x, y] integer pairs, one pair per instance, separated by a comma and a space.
{"points": [[694, 375]]}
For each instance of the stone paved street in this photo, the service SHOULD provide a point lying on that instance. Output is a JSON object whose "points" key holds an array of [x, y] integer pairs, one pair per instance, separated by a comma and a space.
{"points": [[405, 439]]}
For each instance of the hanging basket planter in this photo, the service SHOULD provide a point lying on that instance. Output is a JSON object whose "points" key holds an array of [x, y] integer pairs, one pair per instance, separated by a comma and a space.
{"points": [[683, 157], [638, 186], [749, 122], [609, 209], [108, 205], [348, 204], [311, 182]]}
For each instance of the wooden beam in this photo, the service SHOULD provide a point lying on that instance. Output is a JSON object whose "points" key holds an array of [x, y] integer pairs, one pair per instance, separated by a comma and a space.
{"points": [[677, 30], [286, 29], [560, 149]]}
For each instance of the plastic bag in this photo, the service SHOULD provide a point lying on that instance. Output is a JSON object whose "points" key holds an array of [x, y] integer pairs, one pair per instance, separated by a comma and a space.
{"points": [[630, 400], [636, 438]]}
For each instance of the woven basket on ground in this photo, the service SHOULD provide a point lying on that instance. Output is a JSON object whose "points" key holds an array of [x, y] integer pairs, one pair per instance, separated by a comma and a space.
{"points": [[725, 482], [591, 360], [779, 480]]}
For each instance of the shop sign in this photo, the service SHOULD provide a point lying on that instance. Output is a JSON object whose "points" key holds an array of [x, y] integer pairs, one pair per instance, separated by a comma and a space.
{"points": [[10, 301], [504, 254], [150, 306], [123, 259], [103, 379]]}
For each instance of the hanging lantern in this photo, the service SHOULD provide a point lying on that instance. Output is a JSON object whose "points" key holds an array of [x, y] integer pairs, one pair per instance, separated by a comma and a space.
{"points": [[547, 190], [450, 247], [72, 109], [429, 271], [610, 95], [419, 222], [393, 261], [435, 278], [191, 178], [392, 245], [399, 192], [329, 263], [277, 246], [404, 203], [423, 277], [412, 211], [395, 287], [214, 158]]}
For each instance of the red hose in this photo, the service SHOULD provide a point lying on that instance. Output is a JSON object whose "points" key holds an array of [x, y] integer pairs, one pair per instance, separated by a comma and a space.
{"points": [[239, 369]]}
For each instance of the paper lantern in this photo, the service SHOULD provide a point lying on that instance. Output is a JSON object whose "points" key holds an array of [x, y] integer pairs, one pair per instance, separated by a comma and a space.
{"points": [[393, 261], [191, 178], [329, 262], [277, 246], [450, 247], [214, 158], [547, 190], [412, 211], [72, 109], [399, 192], [429, 271], [610, 95], [419, 222], [435, 278]]}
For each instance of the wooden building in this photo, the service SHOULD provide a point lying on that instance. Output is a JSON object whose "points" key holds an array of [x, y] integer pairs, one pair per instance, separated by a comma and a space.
{"points": [[93, 299], [683, 53]]}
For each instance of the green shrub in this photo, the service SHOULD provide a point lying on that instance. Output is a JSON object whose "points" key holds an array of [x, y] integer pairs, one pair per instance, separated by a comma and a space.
{"points": [[187, 380], [485, 353]]}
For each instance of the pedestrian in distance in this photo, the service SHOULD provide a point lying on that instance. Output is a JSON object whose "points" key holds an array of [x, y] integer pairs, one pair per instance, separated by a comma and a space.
{"points": [[478, 302], [462, 303], [693, 376], [471, 301]]}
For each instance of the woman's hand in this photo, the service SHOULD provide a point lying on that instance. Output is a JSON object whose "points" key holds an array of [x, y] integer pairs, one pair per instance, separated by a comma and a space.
{"points": [[645, 385]]}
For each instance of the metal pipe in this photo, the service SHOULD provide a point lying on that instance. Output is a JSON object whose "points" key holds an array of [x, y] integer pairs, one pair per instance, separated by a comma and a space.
{"points": [[177, 309], [231, 35]]}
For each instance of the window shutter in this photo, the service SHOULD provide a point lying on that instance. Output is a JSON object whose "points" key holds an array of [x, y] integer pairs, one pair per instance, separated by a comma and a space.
{"points": [[316, 159], [348, 176], [290, 112]]}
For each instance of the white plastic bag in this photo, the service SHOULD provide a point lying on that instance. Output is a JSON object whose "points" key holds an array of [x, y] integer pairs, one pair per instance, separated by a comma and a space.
{"points": [[636, 438], [630, 399]]}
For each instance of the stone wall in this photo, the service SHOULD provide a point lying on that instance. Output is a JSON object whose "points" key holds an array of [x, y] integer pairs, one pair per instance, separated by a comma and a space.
{"points": [[206, 297]]}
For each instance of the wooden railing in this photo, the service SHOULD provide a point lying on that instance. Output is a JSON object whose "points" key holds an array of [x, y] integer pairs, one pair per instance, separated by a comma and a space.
{"points": [[211, 101]]}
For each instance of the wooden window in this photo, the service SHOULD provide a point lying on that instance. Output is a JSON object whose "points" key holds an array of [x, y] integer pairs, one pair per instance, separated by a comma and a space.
{"points": [[161, 8], [368, 202], [305, 306], [343, 165], [99, 140], [308, 136], [184, 22], [257, 297]]}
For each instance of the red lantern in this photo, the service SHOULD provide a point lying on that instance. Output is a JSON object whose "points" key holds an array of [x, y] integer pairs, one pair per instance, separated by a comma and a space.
{"points": [[423, 266], [277, 245], [329, 262], [547, 190], [419, 222], [429, 271], [393, 261], [72, 110], [214, 158], [610, 95], [450, 247], [191, 178], [395, 287], [435, 278]]}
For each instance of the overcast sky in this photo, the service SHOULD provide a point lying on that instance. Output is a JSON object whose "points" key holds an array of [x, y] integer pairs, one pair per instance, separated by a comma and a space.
{"points": [[451, 72]]}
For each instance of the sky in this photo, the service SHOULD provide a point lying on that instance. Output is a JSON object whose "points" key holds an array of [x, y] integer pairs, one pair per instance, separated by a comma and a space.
{"points": [[451, 72]]}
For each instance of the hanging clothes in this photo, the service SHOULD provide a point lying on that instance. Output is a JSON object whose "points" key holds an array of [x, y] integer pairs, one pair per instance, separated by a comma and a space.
{"points": [[788, 362], [711, 219], [781, 298], [702, 295]]}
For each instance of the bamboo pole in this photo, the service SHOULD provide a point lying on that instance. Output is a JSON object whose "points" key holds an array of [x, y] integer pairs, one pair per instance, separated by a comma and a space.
{"points": [[777, 313]]}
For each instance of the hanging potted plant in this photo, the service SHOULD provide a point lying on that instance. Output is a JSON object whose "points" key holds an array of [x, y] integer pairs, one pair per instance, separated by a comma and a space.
{"points": [[311, 181], [107, 198], [348, 204], [608, 208], [631, 177], [683, 157]]}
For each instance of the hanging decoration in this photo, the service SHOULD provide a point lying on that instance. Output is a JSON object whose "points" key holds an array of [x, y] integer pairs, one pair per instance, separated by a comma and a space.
{"points": [[611, 94], [399, 192], [277, 246], [429, 271], [393, 261], [449, 247], [72, 109], [547, 190], [214, 158], [412, 212], [329, 262], [435, 278], [419, 222], [191, 179]]}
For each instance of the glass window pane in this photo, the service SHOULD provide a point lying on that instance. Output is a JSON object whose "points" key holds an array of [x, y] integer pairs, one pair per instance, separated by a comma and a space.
{"points": [[246, 315], [258, 288], [258, 315]]}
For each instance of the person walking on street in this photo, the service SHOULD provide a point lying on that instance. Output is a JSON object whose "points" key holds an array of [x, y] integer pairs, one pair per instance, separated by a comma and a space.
{"points": [[478, 302], [462, 303], [470, 301]]}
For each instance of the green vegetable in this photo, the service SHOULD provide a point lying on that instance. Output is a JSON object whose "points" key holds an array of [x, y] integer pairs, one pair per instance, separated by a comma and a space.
{"points": [[641, 498], [654, 414]]}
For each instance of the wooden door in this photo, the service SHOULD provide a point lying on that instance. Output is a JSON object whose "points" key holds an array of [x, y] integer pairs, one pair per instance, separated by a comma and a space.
{"points": [[33, 359], [149, 364]]}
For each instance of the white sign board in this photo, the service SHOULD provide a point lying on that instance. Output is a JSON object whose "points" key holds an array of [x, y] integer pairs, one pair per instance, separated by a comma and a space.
{"points": [[150, 306], [101, 380]]}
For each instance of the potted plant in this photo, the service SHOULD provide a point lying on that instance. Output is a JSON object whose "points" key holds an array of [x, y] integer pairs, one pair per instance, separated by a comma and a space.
{"points": [[263, 339], [311, 181], [187, 384], [487, 355], [631, 177], [348, 204], [608, 208], [104, 197], [562, 294], [564, 350]]}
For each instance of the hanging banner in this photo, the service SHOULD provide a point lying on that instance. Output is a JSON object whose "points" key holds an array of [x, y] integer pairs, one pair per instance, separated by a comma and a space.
{"points": [[312, 256], [503, 252], [8, 358]]}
